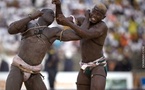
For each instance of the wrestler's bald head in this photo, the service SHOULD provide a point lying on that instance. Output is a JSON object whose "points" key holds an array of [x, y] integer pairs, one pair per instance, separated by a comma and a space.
{"points": [[48, 16], [101, 7], [47, 11]]}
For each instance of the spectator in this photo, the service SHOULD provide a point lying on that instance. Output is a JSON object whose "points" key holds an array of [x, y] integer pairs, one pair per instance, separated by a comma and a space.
{"points": [[51, 67], [3, 65], [68, 64]]}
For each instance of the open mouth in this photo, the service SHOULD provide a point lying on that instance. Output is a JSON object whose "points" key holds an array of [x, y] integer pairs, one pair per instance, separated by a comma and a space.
{"points": [[93, 20]]}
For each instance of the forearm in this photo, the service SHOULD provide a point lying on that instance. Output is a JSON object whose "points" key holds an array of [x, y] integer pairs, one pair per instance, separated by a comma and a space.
{"points": [[81, 31], [85, 24], [68, 35], [18, 26], [58, 9]]}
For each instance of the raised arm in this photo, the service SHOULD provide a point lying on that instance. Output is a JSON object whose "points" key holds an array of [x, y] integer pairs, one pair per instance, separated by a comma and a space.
{"points": [[84, 30], [21, 25], [58, 9], [64, 35], [59, 12], [87, 33]]}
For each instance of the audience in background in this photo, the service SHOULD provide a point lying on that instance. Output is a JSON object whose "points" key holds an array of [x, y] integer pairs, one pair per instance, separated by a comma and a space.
{"points": [[4, 67], [51, 67], [125, 19]]}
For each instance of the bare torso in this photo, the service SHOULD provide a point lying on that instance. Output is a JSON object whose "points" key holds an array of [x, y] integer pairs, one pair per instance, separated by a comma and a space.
{"points": [[91, 49], [33, 49]]}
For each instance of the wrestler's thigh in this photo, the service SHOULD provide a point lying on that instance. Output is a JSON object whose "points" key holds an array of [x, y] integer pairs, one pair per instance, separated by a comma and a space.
{"points": [[83, 81], [98, 81], [35, 82], [14, 79]]}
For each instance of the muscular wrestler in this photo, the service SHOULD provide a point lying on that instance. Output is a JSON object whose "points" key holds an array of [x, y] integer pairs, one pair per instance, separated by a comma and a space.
{"points": [[93, 31], [37, 38]]}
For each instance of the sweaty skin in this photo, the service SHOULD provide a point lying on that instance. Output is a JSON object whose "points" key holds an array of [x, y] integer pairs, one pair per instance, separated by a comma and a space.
{"points": [[37, 39], [93, 32]]}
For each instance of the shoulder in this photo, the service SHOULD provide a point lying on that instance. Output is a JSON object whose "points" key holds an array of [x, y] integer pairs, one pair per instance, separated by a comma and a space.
{"points": [[102, 25]]}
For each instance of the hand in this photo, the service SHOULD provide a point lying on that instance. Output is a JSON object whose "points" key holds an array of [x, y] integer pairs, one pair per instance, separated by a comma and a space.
{"points": [[35, 15], [87, 14], [70, 19], [61, 19], [56, 2]]}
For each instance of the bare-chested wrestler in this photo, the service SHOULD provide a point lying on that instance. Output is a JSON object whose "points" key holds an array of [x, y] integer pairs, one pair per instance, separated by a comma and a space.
{"points": [[93, 31], [37, 38]]}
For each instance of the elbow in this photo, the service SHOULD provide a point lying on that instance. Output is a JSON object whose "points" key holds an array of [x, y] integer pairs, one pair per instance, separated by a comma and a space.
{"points": [[10, 28], [10, 31]]}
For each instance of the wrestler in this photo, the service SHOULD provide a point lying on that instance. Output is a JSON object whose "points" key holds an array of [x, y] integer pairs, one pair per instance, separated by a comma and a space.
{"points": [[93, 31], [37, 38]]}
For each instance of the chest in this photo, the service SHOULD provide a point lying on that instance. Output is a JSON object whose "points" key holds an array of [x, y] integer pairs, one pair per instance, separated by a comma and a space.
{"points": [[41, 33]]}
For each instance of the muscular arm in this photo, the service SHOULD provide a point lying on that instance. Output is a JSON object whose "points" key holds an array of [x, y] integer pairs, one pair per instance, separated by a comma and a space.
{"points": [[67, 35], [64, 35], [18, 26], [83, 30], [21, 25], [58, 9], [59, 12], [93, 32]]}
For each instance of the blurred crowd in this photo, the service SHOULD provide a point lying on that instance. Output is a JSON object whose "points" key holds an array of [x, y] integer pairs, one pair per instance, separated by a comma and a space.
{"points": [[123, 45]]}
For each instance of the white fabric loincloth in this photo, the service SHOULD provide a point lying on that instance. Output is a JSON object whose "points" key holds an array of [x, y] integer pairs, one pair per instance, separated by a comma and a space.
{"points": [[26, 68], [100, 61]]}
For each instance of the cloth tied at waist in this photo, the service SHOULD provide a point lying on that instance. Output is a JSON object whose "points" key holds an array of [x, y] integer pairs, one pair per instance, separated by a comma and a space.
{"points": [[100, 61], [26, 68]]}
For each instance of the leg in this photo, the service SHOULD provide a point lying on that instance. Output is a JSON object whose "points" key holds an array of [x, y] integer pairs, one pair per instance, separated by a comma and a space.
{"points": [[98, 79], [15, 79], [83, 81], [35, 83]]}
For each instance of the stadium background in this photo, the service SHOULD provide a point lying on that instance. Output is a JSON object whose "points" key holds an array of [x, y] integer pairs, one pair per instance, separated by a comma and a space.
{"points": [[124, 45]]}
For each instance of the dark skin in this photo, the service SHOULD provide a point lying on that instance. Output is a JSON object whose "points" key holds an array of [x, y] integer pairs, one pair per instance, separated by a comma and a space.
{"points": [[93, 32], [33, 48]]}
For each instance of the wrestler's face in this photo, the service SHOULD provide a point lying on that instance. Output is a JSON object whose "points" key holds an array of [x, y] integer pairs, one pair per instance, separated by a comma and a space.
{"points": [[96, 15], [48, 17]]}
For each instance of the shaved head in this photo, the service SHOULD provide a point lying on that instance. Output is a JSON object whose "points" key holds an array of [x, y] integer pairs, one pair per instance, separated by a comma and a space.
{"points": [[101, 7], [48, 16]]}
